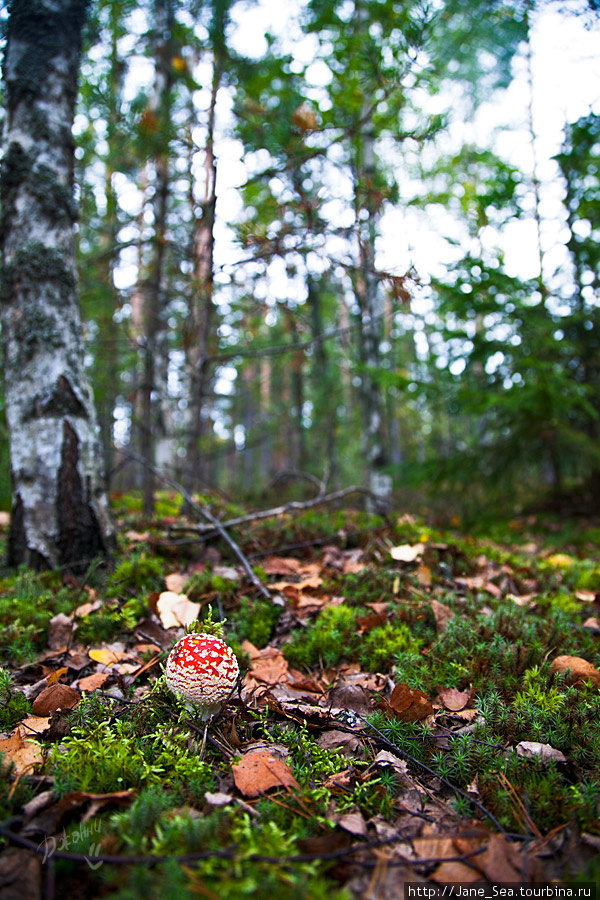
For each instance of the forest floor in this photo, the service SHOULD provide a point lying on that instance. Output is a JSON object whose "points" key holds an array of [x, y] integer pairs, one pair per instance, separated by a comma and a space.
{"points": [[406, 713]]}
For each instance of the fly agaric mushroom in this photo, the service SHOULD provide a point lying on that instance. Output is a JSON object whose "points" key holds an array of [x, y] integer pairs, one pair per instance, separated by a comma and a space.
{"points": [[203, 671]]}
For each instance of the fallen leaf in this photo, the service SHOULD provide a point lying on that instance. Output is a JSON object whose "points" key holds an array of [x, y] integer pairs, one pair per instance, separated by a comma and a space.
{"points": [[535, 750], [313, 581], [407, 704], [455, 872], [93, 682], [367, 623], [35, 724], [378, 608], [25, 754], [586, 596], [407, 552], [259, 771], [54, 676], [385, 758], [269, 666], [442, 614], [106, 656], [57, 696], [560, 560], [60, 631], [424, 576], [175, 610], [353, 823], [278, 565], [581, 669], [344, 741], [453, 699], [351, 697], [593, 624]]}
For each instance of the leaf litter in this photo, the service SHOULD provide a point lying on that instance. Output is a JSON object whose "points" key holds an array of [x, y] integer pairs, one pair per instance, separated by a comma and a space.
{"points": [[344, 729]]}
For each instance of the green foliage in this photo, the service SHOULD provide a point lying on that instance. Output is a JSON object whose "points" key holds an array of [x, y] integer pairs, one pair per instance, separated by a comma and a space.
{"points": [[254, 620], [13, 705], [27, 603], [137, 576]]}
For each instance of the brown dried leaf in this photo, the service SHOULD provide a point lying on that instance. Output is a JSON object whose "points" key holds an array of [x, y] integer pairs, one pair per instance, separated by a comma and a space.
{"points": [[453, 699], [424, 576], [367, 623], [279, 565], [581, 669], [407, 704], [442, 614], [259, 771], [57, 696], [93, 682], [25, 754], [35, 724], [60, 630], [269, 667]]}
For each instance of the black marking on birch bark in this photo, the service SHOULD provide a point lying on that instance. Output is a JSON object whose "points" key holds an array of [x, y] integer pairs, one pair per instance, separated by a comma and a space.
{"points": [[79, 536], [18, 551], [57, 401]]}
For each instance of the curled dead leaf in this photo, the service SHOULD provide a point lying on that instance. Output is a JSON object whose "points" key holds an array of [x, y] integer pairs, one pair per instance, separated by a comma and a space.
{"points": [[407, 704], [580, 669]]}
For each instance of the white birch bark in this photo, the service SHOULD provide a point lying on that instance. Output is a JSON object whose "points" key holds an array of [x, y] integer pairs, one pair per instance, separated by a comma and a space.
{"points": [[60, 514]]}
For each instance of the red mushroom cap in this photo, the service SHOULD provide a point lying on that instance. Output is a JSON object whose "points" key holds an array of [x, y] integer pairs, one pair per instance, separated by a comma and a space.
{"points": [[203, 671]]}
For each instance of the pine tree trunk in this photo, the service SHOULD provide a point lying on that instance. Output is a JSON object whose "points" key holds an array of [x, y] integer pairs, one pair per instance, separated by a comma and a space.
{"points": [[60, 513]]}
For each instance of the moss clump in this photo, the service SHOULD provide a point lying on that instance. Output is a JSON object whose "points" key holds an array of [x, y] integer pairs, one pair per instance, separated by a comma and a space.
{"points": [[138, 576], [27, 603], [13, 705], [254, 621], [204, 585]]}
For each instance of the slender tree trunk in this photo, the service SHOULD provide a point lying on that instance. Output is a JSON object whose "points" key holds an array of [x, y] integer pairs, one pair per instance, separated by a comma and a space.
{"points": [[158, 124], [200, 320], [325, 413], [60, 514], [366, 289]]}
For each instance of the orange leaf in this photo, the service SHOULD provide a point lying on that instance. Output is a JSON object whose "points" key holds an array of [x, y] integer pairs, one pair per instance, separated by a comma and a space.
{"points": [[259, 771], [54, 676]]}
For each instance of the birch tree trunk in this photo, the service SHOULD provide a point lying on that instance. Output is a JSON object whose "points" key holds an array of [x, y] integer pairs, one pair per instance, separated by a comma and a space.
{"points": [[60, 514]]}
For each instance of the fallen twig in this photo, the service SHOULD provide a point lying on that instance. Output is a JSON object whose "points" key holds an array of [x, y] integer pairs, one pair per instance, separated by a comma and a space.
{"points": [[217, 526], [291, 506]]}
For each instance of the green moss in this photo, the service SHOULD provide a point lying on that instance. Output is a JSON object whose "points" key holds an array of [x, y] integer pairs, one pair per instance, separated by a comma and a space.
{"points": [[203, 585], [27, 603], [254, 620], [138, 576], [14, 707]]}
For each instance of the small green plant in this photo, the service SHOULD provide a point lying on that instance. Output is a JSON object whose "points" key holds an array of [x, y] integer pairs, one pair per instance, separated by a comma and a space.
{"points": [[13, 704], [137, 576]]}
